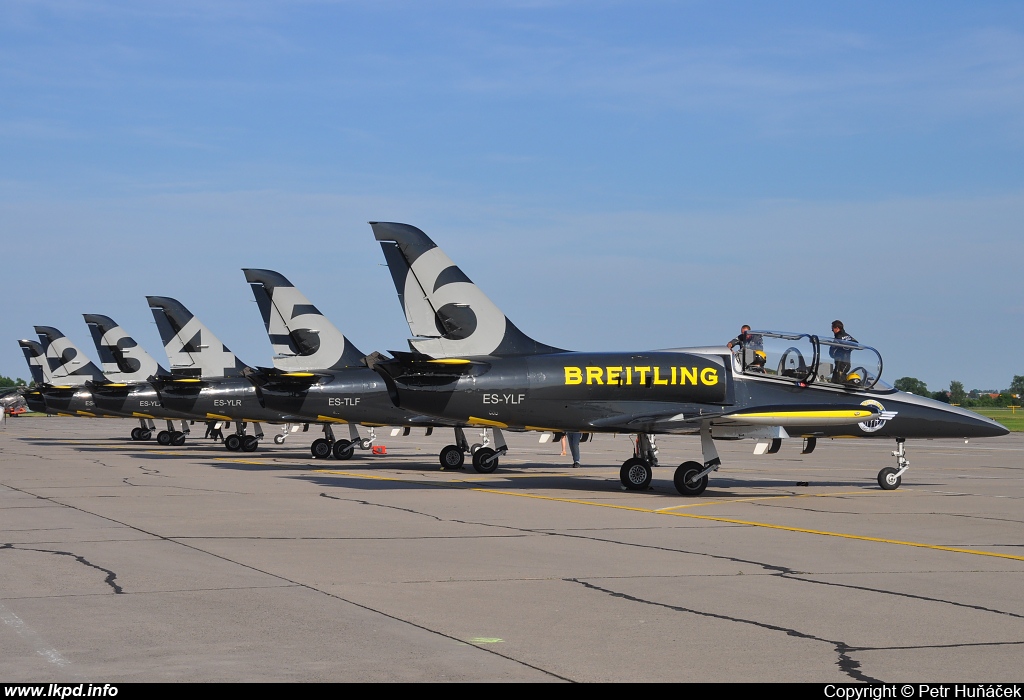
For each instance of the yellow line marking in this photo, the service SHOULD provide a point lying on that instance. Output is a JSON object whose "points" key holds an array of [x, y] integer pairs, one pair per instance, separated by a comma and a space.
{"points": [[763, 498], [710, 518]]}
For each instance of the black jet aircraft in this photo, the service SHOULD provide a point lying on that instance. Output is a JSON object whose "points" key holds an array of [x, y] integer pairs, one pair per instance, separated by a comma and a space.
{"points": [[320, 376], [206, 378], [470, 363], [128, 369], [73, 385], [35, 355], [67, 376]]}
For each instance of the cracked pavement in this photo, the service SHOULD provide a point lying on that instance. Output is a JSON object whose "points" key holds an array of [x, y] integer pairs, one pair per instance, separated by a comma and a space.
{"points": [[124, 561]]}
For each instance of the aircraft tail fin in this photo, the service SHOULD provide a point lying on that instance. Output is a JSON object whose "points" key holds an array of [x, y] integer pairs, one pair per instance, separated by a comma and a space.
{"points": [[447, 313], [35, 355], [124, 361], [67, 364], [302, 337], [192, 348]]}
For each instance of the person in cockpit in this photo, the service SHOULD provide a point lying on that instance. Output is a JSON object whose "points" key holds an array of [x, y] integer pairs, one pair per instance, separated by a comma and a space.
{"points": [[752, 347], [840, 356]]}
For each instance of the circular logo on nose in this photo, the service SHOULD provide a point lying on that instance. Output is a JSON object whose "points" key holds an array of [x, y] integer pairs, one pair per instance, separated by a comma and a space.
{"points": [[875, 424]]}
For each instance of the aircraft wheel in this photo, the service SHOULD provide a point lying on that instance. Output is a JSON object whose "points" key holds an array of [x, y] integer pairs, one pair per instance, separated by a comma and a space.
{"points": [[163, 437], [321, 448], [485, 460], [888, 480], [452, 457], [145, 435], [684, 472], [233, 442], [366, 444], [177, 439], [279, 439], [250, 443], [135, 433], [343, 449], [476, 446], [636, 474]]}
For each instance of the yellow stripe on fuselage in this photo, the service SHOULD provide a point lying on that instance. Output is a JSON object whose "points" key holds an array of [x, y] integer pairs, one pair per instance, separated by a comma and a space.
{"points": [[484, 421], [844, 413]]}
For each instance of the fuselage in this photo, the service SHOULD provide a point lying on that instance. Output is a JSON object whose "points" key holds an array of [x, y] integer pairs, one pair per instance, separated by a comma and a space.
{"points": [[356, 395], [661, 392], [228, 398]]}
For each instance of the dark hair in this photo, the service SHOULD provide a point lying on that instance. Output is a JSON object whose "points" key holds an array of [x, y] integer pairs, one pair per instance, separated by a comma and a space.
{"points": [[838, 324]]}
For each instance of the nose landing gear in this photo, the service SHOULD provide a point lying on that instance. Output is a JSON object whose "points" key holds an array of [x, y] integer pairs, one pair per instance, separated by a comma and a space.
{"points": [[890, 479]]}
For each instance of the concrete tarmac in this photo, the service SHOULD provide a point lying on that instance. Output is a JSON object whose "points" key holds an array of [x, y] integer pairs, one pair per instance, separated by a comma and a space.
{"points": [[123, 561]]}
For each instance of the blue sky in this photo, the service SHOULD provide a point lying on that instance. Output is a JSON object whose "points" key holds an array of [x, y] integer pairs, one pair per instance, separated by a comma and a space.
{"points": [[615, 175]]}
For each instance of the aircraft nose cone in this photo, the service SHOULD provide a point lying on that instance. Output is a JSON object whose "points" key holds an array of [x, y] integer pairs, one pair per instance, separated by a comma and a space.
{"points": [[973, 425]]}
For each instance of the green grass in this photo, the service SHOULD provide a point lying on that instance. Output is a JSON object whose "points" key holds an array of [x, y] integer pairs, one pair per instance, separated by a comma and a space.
{"points": [[1013, 421]]}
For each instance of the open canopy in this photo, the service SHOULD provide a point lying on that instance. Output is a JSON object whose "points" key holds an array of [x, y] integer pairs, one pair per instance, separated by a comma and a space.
{"points": [[808, 359]]}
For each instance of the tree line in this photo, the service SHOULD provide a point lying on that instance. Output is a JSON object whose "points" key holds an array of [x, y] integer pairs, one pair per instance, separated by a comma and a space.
{"points": [[958, 395]]}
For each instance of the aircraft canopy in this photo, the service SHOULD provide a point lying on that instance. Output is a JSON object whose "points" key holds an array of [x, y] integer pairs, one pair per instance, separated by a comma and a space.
{"points": [[808, 359]]}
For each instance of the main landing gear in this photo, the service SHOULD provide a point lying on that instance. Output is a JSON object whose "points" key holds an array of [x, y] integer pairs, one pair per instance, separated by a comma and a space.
{"points": [[485, 458], [324, 447], [238, 440], [890, 479], [172, 436], [690, 478], [144, 431]]}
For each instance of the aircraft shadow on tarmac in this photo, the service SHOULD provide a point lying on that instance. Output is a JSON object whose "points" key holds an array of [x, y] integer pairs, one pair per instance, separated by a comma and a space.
{"points": [[579, 484], [554, 478]]}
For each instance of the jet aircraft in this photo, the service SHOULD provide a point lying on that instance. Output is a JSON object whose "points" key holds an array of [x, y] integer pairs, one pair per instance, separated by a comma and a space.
{"points": [[470, 363], [206, 378], [128, 369], [320, 376], [73, 385]]}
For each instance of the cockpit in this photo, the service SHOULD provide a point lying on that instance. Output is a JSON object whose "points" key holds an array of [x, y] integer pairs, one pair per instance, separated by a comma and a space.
{"points": [[808, 359]]}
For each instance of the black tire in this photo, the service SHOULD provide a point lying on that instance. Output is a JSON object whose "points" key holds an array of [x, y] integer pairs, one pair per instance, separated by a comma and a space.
{"points": [[684, 472], [485, 460], [279, 439], [163, 437], [636, 474], [343, 449], [233, 442], [135, 433], [177, 439], [452, 457], [146, 435], [888, 480], [320, 449], [250, 443], [476, 446], [366, 444]]}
